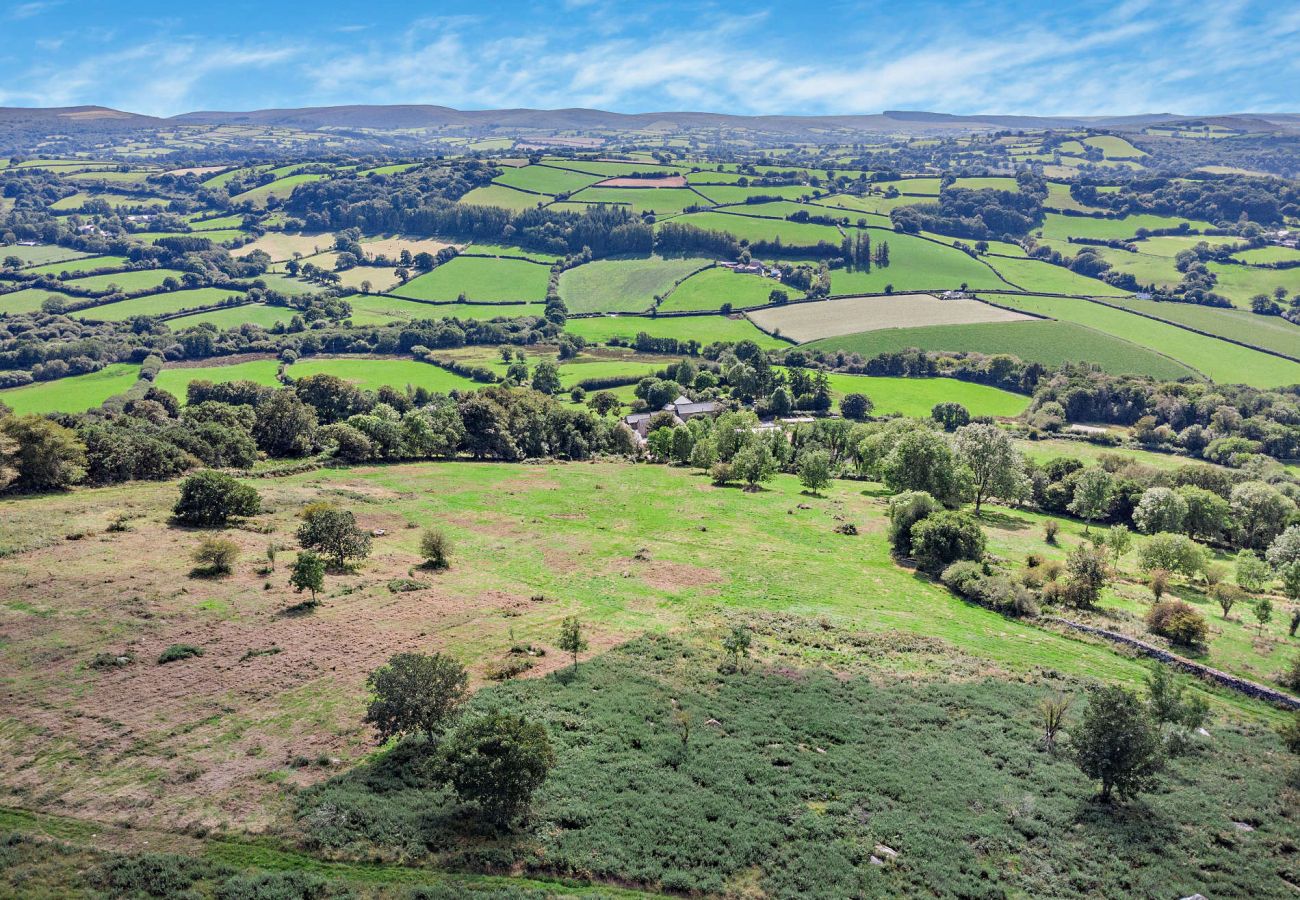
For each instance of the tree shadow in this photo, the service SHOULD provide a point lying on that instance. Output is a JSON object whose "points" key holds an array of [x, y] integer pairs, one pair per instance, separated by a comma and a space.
{"points": [[1004, 520]]}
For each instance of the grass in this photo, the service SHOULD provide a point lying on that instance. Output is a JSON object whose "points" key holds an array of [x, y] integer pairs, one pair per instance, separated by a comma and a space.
{"points": [[30, 299], [1051, 343], [75, 266], [380, 309], [1059, 227], [1240, 283], [157, 304], [710, 289], [506, 197], [917, 396], [76, 201], [1043, 277], [126, 282], [624, 285], [753, 229], [222, 236], [661, 201], [1258, 255], [233, 317], [724, 194], [478, 249], [705, 329], [487, 280], [176, 380], [1058, 197], [545, 180], [281, 247], [1114, 147], [804, 322], [74, 394], [371, 373], [915, 264], [40, 254], [1216, 359], [1269, 332], [281, 187]]}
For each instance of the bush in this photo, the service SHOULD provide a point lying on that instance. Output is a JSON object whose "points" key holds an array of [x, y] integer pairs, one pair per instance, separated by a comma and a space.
{"points": [[216, 556], [721, 473], [970, 580], [210, 498], [944, 538], [179, 651], [1178, 622], [1172, 552], [435, 546], [497, 762], [905, 510]]}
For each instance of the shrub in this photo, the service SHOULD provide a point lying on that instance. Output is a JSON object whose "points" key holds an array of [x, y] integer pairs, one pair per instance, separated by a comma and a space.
{"points": [[435, 546], [1088, 575], [1158, 582], [905, 510], [215, 555], [1290, 734], [405, 585], [1116, 743], [1178, 622], [211, 498], [721, 473], [970, 580], [1172, 552], [505, 669], [179, 651], [498, 762], [945, 537], [1291, 677], [1050, 529]]}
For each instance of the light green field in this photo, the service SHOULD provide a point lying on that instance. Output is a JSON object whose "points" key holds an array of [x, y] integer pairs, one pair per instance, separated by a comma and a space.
{"points": [[1258, 255], [1050, 343], [75, 394], [1147, 268], [545, 180], [487, 280], [40, 254], [870, 204], [1036, 275], [725, 194], [1059, 227], [281, 187], [80, 199], [780, 209], [109, 177], [505, 197], [999, 248], [612, 169], [917, 396], [1216, 359], [75, 266], [661, 201], [705, 329], [157, 304], [584, 369], [987, 184], [478, 249], [371, 374], [752, 229], [1240, 283], [176, 380], [1171, 245], [233, 317], [709, 176], [126, 282], [381, 309], [30, 300], [1269, 332], [923, 186], [915, 264], [709, 289], [218, 223], [286, 284], [623, 285], [1058, 197], [1113, 147]]}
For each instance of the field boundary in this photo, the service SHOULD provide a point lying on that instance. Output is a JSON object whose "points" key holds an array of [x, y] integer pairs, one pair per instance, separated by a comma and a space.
{"points": [[1217, 337]]}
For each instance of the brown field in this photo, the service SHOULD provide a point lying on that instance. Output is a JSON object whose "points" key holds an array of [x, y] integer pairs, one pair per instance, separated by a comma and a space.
{"points": [[281, 247], [805, 322], [657, 182], [197, 170], [394, 245]]}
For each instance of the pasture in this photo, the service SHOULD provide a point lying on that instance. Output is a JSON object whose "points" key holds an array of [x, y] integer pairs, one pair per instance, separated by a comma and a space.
{"points": [[281, 188], [77, 266], [282, 247], [754, 229], [40, 254], [917, 396], [1240, 283], [74, 394], [476, 278], [157, 304], [175, 379], [505, 197], [804, 322], [1272, 254], [916, 264], [381, 309], [624, 285], [710, 289], [128, 282], [1048, 342], [372, 373], [1059, 227], [27, 300], [660, 201], [1270, 332], [1043, 277], [545, 180], [259, 314], [725, 194], [705, 329]]}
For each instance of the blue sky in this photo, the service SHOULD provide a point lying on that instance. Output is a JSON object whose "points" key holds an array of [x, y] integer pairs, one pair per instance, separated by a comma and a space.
{"points": [[974, 56]]}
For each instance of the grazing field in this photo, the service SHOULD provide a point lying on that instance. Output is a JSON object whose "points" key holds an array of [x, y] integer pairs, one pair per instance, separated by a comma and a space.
{"points": [[612, 169], [235, 316], [624, 285], [157, 304], [1216, 359], [74, 394], [916, 186], [1148, 268], [1270, 332], [393, 245], [661, 201], [282, 247], [915, 264], [1043, 277], [1059, 227], [1050, 343], [479, 249], [281, 188], [659, 181], [870, 204], [40, 254], [917, 396], [30, 299], [1058, 197], [725, 194], [710, 289], [219, 236], [287, 284], [705, 329], [804, 322], [369, 373], [76, 266], [486, 280], [1240, 283], [379, 309], [754, 229], [1257, 255], [1114, 147], [505, 197], [1172, 244], [74, 202], [175, 380], [545, 180], [129, 282]]}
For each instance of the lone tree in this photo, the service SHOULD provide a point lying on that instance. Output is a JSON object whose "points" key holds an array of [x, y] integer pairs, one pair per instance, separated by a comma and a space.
{"points": [[333, 532], [211, 498], [997, 468], [815, 470], [498, 762], [1117, 744], [416, 693], [308, 574], [856, 406], [436, 547], [215, 555], [736, 644], [571, 639]]}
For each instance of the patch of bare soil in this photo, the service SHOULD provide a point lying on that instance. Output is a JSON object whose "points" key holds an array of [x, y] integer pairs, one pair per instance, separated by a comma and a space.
{"points": [[659, 181]]}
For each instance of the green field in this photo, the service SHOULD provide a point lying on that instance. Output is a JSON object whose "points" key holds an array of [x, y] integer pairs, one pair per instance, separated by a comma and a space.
{"points": [[1043, 277], [723, 194], [479, 249], [709, 289], [545, 180], [30, 300], [281, 187], [1114, 147], [40, 254], [1217, 360], [1270, 332], [221, 236], [176, 379], [754, 229], [76, 201], [870, 204], [157, 304], [234, 316], [1059, 227], [1240, 283], [499, 195], [1058, 197], [380, 309], [917, 396], [705, 329], [129, 282], [915, 264], [612, 169], [75, 266], [371, 374], [74, 394], [1257, 255], [487, 280], [1050, 343], [1171, 245], [623, 285], [661, 201]]}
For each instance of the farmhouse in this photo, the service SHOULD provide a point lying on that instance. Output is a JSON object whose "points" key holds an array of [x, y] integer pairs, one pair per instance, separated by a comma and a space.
{"points": [[682, 409]]}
